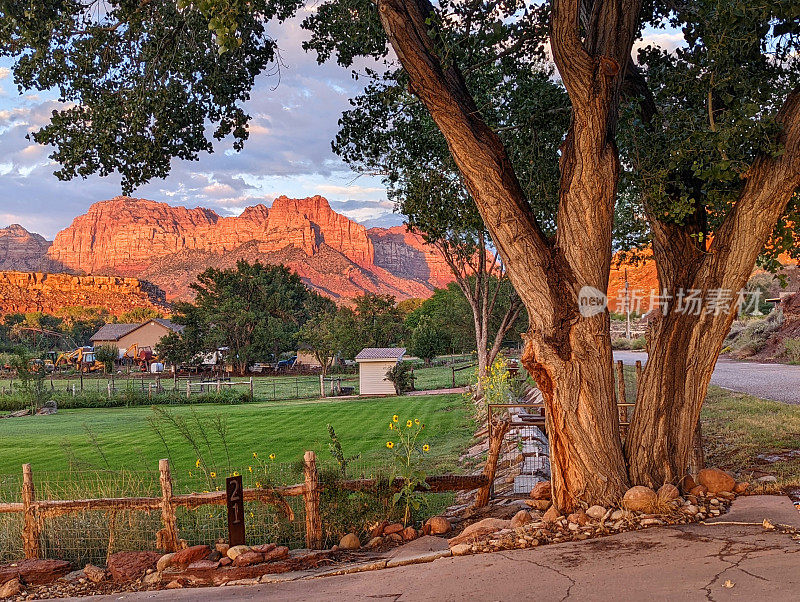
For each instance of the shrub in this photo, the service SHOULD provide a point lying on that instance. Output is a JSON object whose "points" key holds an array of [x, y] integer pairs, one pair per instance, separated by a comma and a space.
{"points": [[792, 350], [402, 377]]}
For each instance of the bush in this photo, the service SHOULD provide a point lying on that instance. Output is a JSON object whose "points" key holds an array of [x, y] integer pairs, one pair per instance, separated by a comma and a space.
{"points": [[748, 337], [402, 377], [792, 350]]}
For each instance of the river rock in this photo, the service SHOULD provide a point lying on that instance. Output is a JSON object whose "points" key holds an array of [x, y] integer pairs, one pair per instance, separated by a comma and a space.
{"points": [[350, 542], [579, 518], [639, 499], [540, 505], [541, 491], [278, 553], [10, 589], [716, 480], [740, 488], [485, 527], [130, 566], [94, 573], [439, 525], [523, 517], [699, 491], [393, 528], [248, 558], [668, 492], [374, 542], [164, 562], [264, 548], [461, 549], [236, 551], [409, 533], [222, 548]]}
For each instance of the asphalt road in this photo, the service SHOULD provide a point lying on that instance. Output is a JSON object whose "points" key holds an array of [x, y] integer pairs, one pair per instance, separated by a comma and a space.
{"points": [[725, 562], [767, 381]]}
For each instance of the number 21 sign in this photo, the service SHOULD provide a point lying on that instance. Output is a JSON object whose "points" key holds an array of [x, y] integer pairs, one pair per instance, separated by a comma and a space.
{"points": [[234, 495]]}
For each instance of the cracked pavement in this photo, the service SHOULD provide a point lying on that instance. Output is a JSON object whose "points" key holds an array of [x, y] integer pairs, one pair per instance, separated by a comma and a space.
{"points": [[716, 562]]}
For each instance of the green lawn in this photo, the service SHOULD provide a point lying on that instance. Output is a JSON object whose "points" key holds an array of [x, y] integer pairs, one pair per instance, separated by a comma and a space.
{"points": [[123, 438]]}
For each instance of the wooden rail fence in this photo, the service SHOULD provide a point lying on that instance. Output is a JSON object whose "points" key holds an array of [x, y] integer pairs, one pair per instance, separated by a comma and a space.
{"points": [[35, 511]]}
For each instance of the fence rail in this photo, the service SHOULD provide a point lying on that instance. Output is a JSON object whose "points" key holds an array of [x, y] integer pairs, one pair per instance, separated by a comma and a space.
{"points": [[34, 512]]}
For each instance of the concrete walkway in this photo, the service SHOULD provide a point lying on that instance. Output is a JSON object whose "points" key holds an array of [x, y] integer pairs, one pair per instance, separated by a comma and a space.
{"points": [[692, 562], [777, 382]]}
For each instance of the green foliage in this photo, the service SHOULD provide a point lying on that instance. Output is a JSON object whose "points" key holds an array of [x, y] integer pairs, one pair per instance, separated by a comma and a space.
{"points": [[31, 375], [335, 447], [142, 82], [791, 349], [106, 355], [402, 377], [139, 315], [409, 462], [636, 343], [329, 334], [255, 310], [424, 340], [379, 322]]}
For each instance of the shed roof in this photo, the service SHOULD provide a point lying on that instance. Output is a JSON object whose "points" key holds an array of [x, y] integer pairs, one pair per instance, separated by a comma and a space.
{"points": [[114, 332], [381, 353]]}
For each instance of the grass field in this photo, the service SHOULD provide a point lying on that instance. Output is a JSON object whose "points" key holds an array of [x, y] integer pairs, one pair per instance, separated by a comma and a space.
{"points": [[86, 439]]}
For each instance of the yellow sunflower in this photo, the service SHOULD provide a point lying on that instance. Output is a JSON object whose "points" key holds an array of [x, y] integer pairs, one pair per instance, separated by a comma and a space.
{"points": [[395, 418], [416, 420], [272, 456], [426, 447], [390, 444], [213, 475], [408, 424], [197, 464]]}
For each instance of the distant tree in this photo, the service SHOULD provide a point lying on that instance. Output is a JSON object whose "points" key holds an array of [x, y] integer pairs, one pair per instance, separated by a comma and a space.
{"points": [[424, 341], [107, 355], [319, 334], [138, 315], [379, 320], [255, 310], [31, 374]]}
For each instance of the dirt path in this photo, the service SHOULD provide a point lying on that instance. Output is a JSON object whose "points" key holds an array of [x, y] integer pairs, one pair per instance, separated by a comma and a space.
{"points": [[690, 562], [777, 382]]}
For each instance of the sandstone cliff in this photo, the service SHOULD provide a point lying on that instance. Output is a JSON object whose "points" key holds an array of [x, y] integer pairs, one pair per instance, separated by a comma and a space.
{"points": [[22, 292], [21, 250], [171, 245]]}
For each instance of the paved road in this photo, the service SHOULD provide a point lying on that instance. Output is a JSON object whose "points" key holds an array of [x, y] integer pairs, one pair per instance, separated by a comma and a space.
{"points": [[767, 381], [688, 563]]}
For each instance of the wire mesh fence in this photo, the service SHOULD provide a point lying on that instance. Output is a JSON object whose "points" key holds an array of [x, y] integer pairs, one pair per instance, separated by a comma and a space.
{"points": [[84, 536]]}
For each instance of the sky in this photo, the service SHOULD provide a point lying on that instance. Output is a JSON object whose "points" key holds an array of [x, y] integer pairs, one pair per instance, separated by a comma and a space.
{"points": [[293, 122], [288, 152]]}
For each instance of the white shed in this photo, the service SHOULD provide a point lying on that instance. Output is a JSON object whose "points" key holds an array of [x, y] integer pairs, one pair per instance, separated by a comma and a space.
{"points": [[373, 364]]}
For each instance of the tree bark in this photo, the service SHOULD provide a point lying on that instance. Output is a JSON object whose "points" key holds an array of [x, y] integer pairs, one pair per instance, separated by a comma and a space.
{"points": [[570, 357], [683, 349]]}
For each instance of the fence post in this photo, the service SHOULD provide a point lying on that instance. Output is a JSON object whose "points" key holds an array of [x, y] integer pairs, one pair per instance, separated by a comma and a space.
{"points": [[188, 389], [454, 376], [311, 499], [167, 539], [30, 529], [498, 430], [622, 410], [251, 389]]}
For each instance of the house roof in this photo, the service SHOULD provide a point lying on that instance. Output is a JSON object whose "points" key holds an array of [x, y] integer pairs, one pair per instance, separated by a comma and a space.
{"points": [[114, 332], [381, 353]]}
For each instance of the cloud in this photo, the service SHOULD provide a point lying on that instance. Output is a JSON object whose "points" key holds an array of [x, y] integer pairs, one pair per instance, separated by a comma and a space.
{"points": [[294, 118]]}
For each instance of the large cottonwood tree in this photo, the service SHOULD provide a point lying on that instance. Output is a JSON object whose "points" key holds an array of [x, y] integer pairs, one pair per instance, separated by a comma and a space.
{"points": [[715, 161]]}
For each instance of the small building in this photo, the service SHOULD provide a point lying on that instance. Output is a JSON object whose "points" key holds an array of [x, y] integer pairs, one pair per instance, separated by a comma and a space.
{"points": [[125, 336], [373, 364]]}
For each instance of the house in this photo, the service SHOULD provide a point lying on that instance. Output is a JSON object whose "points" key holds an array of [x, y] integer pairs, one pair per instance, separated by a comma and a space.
{"points": [[373, 364], [125, 336]]}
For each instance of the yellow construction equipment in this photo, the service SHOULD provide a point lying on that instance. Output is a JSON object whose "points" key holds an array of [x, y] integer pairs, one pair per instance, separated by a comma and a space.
{"points": [[143, 357], [82, 359]]}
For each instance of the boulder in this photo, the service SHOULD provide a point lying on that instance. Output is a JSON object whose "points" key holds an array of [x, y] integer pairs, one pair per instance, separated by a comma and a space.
{"points": [[130, 566], [476, 530], [222, 548], [551, 515], [350, 542], [690, 509], [668, 492], [687, 483], [264, 547], [248, 558], [377, 530], [409, 533], [439, 525], [523, 517], [541, 491], [10, 589], [596, 512], [580, 518], [716, 480], [187, 556], [461, 549], [215, 556], [699, 491], [225, 561], [164, 562], [374, 542], [540, 505], [235, 551], [396, 537], [639, 499], [34, 571], [393, 528], [740, 488], [277, 553], [94, 573]]}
